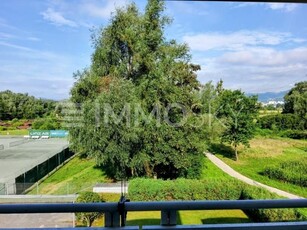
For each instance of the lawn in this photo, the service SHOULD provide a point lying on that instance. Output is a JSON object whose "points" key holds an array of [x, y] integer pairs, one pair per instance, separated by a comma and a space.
{"points": [[15, 132], [210, 171], [183, 217], [75, 176], [265, 152]]}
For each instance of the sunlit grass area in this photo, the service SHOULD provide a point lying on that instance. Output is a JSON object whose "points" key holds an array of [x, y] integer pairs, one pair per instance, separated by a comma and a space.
{"points": [[183, 217], [77, 175], [267, 152], [15, 132]]}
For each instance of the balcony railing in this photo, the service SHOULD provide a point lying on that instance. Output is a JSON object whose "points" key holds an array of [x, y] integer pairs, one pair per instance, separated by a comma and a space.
{"points": [[115, 213]]}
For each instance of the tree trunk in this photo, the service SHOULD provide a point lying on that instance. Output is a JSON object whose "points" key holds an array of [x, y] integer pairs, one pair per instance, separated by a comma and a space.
{"points": [[236, 152], [148, 169], [88, 222]]}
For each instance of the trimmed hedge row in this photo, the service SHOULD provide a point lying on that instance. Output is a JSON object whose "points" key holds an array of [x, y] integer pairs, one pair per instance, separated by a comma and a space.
{"points": [[185, 189]]}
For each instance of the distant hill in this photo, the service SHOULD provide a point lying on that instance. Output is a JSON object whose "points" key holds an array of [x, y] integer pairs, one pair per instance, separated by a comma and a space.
{"points": [[270, 96]]}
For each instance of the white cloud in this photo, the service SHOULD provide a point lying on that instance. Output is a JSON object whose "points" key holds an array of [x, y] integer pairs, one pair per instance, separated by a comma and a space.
{"points": [[93, 8], [57, 18], [265, 57], [41, 73], [4, 36], [288, 7], [7, 44], [285, 7], [34, 39], [254, 61], [237, 40], [256, 69]]}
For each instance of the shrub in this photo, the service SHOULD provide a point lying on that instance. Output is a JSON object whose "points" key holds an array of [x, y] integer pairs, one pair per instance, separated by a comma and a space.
{"points": [[185, 189], [294, 172], [294, 134], [282, 122], [88, 217], [268, 215]]}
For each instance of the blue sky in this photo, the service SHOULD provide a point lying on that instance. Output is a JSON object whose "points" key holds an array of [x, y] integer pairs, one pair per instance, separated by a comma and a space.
{"points": [[254, 47]]}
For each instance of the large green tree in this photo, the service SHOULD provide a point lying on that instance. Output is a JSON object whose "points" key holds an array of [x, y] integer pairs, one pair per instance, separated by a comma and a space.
{"points": [[296, 100], [238, 113], [133, 64]]}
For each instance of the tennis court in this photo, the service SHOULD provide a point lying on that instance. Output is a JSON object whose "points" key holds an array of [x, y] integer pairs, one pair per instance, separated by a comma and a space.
{"points": [[26, 161]]}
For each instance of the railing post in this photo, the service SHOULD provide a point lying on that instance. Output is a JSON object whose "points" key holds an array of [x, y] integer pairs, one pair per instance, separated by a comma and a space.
{"points": [[168, 217], [111, 219]]}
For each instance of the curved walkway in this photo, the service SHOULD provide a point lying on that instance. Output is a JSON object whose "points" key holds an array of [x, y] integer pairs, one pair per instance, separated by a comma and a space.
{"points": [[219, 163]]}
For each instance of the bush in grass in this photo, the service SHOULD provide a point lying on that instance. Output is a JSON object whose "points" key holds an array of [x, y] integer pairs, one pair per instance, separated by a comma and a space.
{"points": [[282, 122], [185, 189], [268, 215], [294, 134], [88, 218], [294, 172]]}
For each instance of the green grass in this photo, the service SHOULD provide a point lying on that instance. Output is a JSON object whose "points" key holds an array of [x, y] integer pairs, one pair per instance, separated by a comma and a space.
{"points": [[15, 132], [210, 171], [75, 176], [189, 217], [267, 152], [183, 217]]}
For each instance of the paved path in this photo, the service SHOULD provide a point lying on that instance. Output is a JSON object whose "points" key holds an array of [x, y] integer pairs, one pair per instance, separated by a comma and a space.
{"points": [[219, 163]]}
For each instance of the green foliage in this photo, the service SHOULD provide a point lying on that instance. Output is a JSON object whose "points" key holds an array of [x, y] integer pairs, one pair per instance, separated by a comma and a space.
{"points": [[140, 75], [296, 100], [294, 134], [88, 217], [239, 113], [282, 122], [294, 172], [46, 123], [23, 106], [208, 105], [268, 215], [184, 189]]}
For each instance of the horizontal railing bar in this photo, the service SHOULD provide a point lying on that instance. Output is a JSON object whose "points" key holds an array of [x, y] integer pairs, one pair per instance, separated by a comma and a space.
{"points": [[256, 1], [215, 205], [79, 228], [245, 226], [153, 206], [58, 208]]}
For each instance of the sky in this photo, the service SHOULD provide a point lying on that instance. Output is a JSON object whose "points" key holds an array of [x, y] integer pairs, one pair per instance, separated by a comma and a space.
{"points": [[255, 47]]}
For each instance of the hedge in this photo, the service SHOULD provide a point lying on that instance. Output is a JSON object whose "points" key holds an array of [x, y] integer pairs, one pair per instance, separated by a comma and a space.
{"points": [[268, 215], [185, 189], [294, 172]]}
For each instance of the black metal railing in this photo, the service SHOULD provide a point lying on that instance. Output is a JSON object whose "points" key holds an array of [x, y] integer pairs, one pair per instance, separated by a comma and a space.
{"points": [[115, 213]]}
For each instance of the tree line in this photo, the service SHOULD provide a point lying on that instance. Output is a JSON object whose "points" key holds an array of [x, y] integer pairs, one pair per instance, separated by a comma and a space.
{"points": [[23, 106]]}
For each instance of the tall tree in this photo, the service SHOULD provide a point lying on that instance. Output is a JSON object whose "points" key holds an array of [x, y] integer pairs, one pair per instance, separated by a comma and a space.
{"points": [[158, 78], [239, 113], [296, 100]]}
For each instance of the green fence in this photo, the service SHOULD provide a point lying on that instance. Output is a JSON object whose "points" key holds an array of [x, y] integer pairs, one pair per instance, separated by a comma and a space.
{"points": [[26, 180]]}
